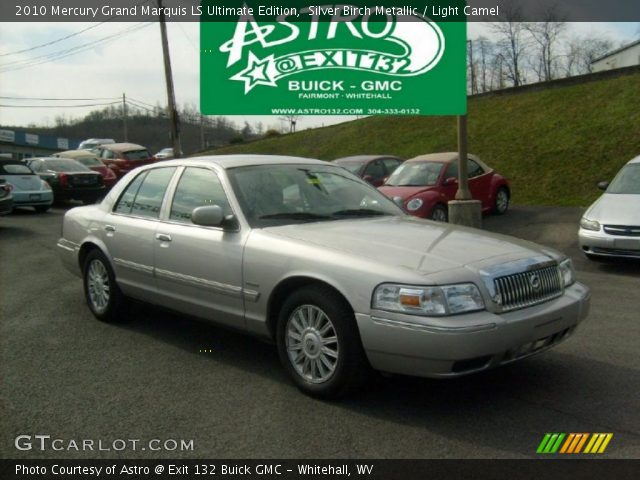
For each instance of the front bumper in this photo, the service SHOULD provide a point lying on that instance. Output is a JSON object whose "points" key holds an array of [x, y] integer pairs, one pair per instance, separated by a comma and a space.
{"points": [[462, 344], [605, 245]]}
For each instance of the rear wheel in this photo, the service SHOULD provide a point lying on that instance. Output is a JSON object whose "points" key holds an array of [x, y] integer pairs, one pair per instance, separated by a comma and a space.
{"points": [[502, 201], [103, 296], [439, 213], [319, 344], [42, 208]]}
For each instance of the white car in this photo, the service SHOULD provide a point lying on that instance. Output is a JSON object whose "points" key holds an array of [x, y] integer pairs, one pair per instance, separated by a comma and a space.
{"points": [[611, 226]]}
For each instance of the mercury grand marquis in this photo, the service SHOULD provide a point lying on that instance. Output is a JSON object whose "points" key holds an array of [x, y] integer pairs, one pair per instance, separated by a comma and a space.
{"points": [[306, 254]]}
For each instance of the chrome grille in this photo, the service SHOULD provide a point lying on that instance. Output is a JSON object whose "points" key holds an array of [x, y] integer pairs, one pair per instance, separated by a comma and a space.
{"points": [[626, 230], [528, 288]]}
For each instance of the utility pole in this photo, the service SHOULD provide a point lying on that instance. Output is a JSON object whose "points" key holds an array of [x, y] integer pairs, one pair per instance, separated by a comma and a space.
{"points": [[202, 145], [171, 98], [124, 117]]}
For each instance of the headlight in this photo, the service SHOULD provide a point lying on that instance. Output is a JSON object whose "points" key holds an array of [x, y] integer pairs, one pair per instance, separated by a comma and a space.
{"points": [[414, 204], [589, 224], [429, 301], [567, 271]]}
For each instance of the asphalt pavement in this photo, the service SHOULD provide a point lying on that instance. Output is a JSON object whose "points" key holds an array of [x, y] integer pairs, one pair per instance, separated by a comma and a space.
{"points": [[163, 376]]}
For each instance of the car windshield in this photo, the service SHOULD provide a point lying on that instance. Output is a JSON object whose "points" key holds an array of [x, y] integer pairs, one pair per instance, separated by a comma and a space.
{"points": [[627, 181], [415, 174], [136, 154], [90, 161], [353, 167], [15, 169], [65, 165], [272, 195]]}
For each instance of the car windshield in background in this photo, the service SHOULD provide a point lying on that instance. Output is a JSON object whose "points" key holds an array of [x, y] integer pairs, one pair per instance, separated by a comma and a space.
{"points": [[90, 162], [353, 167], [136, 154], [283, 194], [15, 169], [415, 174], [65, 165], [627, 181]]}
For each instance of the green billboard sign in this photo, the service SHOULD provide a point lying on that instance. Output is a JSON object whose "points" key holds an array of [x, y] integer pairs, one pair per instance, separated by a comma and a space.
{"points": [[331, 60]]}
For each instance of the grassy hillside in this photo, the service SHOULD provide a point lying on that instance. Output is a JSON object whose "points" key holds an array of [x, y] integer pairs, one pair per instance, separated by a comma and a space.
{"points": [[554, 145]]}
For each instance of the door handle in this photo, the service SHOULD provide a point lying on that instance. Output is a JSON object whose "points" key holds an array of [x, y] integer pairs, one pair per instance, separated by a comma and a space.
{"points": [[109, 228], [163, 237]]}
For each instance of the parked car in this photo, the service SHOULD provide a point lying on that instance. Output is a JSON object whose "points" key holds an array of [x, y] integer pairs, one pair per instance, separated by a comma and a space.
{"points": [[374, 169], [611, 225], [69, 180], [27, 188], [93, 162], [92, 143], [124, 157], [425, 184], [6, 199], [338, 275], [164, 154]]}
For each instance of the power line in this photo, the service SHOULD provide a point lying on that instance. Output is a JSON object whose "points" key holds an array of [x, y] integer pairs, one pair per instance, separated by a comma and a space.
{"points": [[57, 99], [21, 64], [60, 106], [52, 42]]}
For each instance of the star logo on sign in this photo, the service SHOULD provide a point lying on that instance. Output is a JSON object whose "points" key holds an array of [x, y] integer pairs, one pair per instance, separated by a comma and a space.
{"points": [[256, 73]]}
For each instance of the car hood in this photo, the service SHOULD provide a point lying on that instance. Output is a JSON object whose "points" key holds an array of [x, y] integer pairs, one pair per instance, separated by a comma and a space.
{"points": [[403, 192], [408, 242], [616, 209]]}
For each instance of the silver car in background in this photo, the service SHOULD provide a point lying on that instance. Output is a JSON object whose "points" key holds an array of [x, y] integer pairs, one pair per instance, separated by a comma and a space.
{"points": [[611, 226], [306, 254]]}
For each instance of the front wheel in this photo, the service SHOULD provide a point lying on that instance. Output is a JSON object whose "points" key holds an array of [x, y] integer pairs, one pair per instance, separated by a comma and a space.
{"points": [[502, 201], [439, 214], [103, 296], [319, 344]]}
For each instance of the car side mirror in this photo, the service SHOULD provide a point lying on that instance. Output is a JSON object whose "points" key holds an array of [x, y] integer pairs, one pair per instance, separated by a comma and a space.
{"points": [[450, 181], [208, 216], [603, 185]]}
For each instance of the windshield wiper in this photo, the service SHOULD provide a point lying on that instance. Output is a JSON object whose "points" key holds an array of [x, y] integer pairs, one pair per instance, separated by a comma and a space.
{"points": [[295, 216], [359, 212]]}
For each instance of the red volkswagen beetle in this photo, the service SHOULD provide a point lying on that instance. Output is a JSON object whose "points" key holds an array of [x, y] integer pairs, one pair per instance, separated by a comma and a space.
{"points": [[426, 183]]}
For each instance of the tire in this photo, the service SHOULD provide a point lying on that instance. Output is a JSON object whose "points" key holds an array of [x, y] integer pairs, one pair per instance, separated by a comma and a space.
{"points": [[439, 213], [42, 208], [102, 294], [502, 201], [321, 318]]}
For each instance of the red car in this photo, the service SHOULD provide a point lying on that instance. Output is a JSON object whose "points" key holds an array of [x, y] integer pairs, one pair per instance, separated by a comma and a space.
{"points": [[425, 184], [374, 169], [91, 160], [124, 157]]}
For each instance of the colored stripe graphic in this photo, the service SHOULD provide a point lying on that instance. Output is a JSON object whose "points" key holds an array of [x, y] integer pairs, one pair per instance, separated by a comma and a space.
{"points": [[574, 442]]}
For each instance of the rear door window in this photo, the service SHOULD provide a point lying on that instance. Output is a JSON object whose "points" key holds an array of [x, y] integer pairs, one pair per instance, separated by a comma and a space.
{"points": [[15, 169], [149, 197]]}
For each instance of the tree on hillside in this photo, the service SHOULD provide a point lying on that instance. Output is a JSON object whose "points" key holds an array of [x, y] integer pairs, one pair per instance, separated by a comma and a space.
{"points": [[512, 42], [545, 35]]}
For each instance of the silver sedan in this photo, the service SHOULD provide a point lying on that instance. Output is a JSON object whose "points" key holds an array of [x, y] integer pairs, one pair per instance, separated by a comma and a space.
{"points": [[611, 226], [306, 254]]}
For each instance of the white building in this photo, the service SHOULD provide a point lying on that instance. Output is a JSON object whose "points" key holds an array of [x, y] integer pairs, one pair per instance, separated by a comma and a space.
{"points": [[626, 56]]}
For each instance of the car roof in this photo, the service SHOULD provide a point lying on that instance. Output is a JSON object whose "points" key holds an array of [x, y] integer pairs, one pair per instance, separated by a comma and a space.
{"points": [[363, 158], [233, 161], [635, 160], [122, 147], [47, 158], [76, 153]]}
